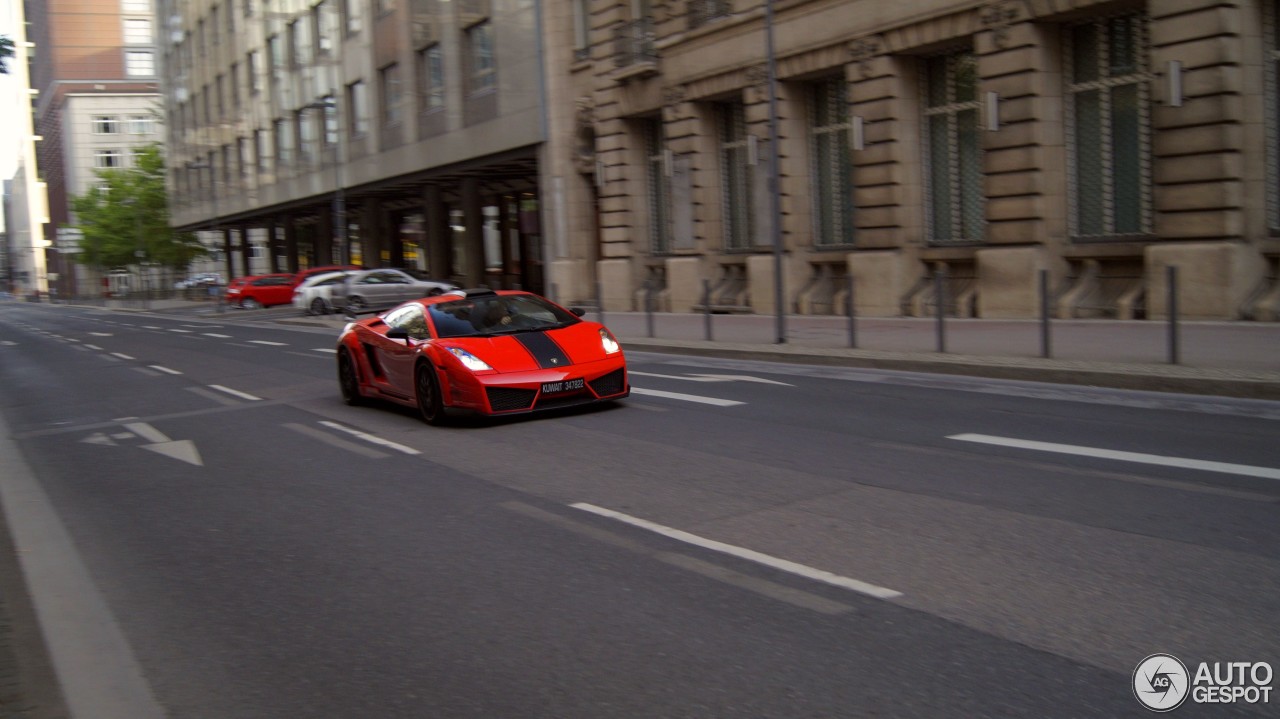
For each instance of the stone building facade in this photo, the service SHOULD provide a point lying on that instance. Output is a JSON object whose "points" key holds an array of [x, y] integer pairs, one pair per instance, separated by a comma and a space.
{"points": [[1101, 142]]}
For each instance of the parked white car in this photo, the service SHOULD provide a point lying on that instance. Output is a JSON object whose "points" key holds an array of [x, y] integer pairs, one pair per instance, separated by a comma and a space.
{"points": [[387, 287], [321, 294]]}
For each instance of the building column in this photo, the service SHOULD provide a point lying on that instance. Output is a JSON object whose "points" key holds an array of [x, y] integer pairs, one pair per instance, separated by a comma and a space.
{"points": [[323, 240], [473, 220], [290, 245], [887, 192], [372, 231], [245, 252], [228, 257], [439, 234], [1022, 167]]}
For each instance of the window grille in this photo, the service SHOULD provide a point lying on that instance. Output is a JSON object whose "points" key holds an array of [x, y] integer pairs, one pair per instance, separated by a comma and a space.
{"points": [[1109, 128], [829, 127], [736, 176], [656, 164], [953, 149], [1271, 71]]}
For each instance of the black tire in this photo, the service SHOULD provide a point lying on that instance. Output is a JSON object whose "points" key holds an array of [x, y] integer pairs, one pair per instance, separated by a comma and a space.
{"points": [[319, 307], [355, 303], [249, 303], [427, 388], [348, 382]]}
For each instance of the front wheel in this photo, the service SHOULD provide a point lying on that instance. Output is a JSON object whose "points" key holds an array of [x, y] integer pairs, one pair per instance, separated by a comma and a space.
{"points": [[250, 304], [319, 307], [428, 389], [348, 382], [356, 303]]}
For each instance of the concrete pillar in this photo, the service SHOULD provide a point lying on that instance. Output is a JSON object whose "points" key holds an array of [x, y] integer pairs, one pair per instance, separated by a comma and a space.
{"points": [[290, 245], [473, 220], [439, 235], [323, 239], [228, 258], [372, 232]]}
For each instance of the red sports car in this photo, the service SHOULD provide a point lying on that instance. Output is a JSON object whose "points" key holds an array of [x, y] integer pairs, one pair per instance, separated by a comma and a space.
{"points": [[486, 352]]}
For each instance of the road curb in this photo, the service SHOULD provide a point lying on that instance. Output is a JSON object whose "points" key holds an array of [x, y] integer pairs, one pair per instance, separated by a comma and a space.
{"points": [[1150, 378]]}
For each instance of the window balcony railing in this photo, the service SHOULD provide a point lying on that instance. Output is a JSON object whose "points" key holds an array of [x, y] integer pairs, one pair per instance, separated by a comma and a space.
{"points": [[633, 44], [702, 12]]}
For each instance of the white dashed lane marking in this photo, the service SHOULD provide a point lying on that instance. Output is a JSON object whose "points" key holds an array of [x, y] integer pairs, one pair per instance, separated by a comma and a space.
{"points": [[1155, 459], [235, 393]]}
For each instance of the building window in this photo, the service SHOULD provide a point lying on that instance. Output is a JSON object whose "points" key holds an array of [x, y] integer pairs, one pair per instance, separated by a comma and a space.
{"points": [[219, 88], [106, 125], [832, 176], [135, 156], [108, 159], [330, 121], [261, 151], [358, 108], [140, 63], [431, 77], [581, 29], [1109, 128], [137, 31], [142, 124], [231, 18], [251, 67], [480, 47], [352, 16], [234, 89], [306, 136], [658, 169], [392, 93], [322, 27], [736, 175], [953, 149], [300, 43], [140, 7], [215, 33], [283, 142]]}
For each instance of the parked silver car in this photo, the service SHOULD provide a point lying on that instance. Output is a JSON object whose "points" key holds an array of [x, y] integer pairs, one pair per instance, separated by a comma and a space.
{"points": [[386, 287]]}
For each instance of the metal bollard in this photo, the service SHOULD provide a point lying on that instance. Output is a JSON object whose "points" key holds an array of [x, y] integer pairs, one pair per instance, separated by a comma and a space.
{"points": [[939, 289], [706, 308], [1171, 273], [1045, 346], [648, 306], [848, 306]]}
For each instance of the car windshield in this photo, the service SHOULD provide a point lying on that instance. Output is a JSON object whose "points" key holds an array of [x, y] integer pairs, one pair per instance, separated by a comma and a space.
{"points": [[497, 315]]}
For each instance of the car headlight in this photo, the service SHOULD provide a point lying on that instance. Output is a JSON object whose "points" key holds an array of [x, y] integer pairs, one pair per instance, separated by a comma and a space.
{"points": [[470, 361], [611, 345]]}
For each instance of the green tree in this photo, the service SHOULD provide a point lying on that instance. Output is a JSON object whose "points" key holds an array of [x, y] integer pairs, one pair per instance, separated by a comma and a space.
{"points": [[125, 218], [6, 52]]}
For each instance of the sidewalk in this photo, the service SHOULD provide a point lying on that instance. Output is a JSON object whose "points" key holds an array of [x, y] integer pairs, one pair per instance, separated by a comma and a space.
{"points": [[1236, 359]]}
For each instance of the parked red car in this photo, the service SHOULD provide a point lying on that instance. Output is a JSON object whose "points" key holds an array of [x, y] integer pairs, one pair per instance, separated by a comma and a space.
{"points": [[257, 291]]}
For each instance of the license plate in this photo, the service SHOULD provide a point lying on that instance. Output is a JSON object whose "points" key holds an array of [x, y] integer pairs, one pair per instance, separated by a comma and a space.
{"points": [[568, 385]]}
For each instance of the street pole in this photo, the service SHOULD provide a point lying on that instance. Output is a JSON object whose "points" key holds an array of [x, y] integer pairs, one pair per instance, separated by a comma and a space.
{"points": [[775, 183]]}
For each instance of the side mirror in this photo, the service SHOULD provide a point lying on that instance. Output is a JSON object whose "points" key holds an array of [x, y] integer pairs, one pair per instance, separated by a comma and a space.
{"points": [[398, 334], [577, 311]]}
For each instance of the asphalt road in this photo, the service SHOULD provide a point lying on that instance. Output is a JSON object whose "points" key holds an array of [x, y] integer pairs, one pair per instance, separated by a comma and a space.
{"points": [[209, 532]]}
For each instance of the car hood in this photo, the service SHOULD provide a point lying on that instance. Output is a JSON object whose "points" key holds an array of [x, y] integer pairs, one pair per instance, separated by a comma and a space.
{"points": [[525, 351]]}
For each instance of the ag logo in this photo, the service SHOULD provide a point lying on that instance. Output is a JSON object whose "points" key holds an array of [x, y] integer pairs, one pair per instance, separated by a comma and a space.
{"points": [[1161, 682]]}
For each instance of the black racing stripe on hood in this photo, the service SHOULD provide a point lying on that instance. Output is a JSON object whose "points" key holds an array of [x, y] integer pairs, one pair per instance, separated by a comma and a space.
{"points": [[544, 349]]}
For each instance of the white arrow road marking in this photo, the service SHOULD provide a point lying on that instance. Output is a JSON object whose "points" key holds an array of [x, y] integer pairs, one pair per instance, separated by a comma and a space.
{"points": [[1208, 466], [819, 575], [710, 377], [686, 397], [182, 449]]}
